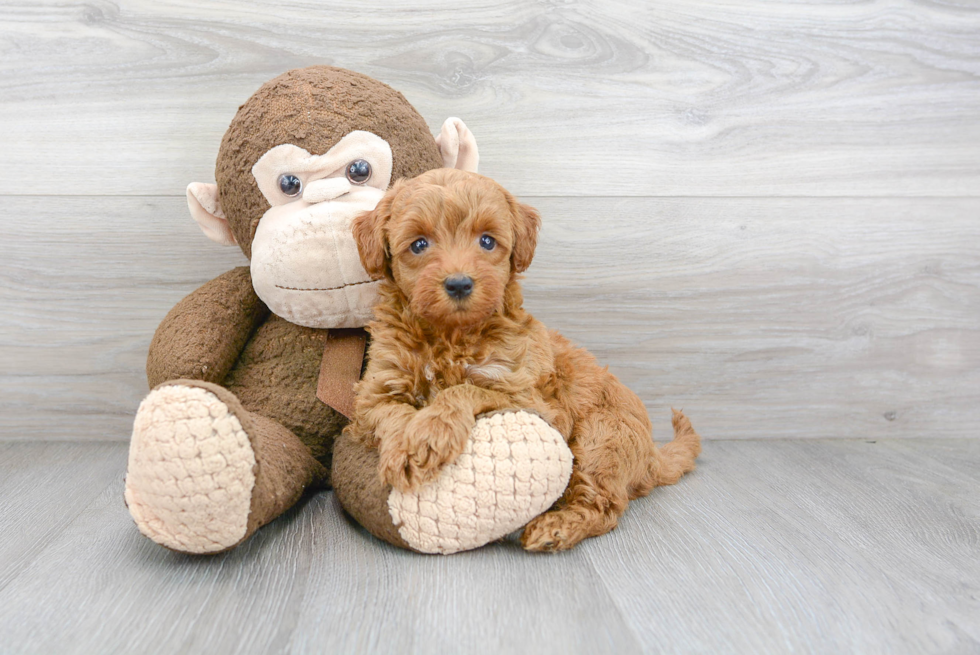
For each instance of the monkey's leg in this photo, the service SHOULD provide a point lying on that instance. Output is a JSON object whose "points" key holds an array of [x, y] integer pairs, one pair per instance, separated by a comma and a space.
{"points": [[204, 473]]}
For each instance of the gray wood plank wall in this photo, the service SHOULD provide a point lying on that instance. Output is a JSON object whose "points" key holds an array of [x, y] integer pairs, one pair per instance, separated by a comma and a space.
{"points": [[767, 213]]}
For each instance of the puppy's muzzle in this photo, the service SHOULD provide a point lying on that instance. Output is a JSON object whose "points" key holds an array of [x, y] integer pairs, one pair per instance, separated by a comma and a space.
{"points": [[458, 286]]}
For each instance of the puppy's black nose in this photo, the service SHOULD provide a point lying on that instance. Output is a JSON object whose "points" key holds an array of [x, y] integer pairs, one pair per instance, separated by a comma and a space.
{"points": [[458, 286]]}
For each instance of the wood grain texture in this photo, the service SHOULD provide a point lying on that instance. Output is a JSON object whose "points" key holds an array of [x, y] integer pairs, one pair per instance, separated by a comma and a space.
{"points": [[40, 496], [769, 547], [775, 318], [760, 317], [686, 97], [84, 283], [762, 526], [775, 225]]}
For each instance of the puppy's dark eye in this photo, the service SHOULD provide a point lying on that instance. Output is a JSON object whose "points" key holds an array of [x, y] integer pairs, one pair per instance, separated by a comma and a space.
{"points": [[358, 171], [419, 245], [487, 242], [290, 184]]}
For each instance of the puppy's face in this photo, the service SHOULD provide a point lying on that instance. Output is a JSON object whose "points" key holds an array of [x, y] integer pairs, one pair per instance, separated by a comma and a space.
{"points": [[451, 241]]}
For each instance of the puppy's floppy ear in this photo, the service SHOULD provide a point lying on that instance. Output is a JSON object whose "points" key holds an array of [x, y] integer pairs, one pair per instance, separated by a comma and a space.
{"points": [[369, 234], [527, 222]]}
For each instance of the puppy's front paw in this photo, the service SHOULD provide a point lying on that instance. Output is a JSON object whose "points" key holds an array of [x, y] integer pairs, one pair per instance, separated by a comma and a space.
{"points": [[394, 466], [430, 441]]}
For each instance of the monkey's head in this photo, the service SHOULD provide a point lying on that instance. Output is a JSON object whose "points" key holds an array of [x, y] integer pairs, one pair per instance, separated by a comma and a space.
{"points": [[309, 151]]}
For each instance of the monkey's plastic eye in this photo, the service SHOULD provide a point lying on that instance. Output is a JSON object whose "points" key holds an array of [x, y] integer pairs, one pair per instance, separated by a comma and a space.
{"points": [[358, 171], [487, 242], [419, 245], [290, 184]]}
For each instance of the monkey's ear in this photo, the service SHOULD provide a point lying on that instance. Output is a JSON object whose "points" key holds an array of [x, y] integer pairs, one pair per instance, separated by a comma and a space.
{"points": [[369, 234], [458, 146], [527, 222], [202, 200]]}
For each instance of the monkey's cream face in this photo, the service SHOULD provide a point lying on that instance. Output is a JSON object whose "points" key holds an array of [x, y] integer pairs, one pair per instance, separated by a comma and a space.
{"points": [[305, 264]]}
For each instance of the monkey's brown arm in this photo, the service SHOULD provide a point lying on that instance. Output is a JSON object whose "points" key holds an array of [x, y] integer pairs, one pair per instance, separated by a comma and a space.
{"points": [[203, 335]]}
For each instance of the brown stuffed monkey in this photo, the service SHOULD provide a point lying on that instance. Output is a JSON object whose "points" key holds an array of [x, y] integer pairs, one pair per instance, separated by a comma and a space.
{"points": [[252, 373]]}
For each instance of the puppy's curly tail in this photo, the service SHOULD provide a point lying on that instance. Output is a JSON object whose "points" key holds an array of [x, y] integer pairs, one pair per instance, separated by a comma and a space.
{"points": [[677, 457]]}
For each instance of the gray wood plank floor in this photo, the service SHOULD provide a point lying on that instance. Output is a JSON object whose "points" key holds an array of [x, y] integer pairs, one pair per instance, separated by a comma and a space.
{"points": [[772, 546]]}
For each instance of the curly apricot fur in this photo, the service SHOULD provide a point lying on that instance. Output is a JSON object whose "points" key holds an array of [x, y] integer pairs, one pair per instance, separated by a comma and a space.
{"points": [[435, 363]]}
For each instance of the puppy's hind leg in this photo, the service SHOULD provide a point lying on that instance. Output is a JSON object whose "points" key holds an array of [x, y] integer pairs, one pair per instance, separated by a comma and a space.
{"points": [[612, 453], [615, 462]]}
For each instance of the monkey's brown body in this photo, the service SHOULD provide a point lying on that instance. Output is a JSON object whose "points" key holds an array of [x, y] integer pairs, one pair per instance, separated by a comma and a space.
{"points": [[275, 371], [288, 395]]}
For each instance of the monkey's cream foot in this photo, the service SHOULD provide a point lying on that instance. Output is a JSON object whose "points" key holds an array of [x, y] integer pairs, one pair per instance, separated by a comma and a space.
{"points": [[191, 471], [513, 467], [204, 473]]}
